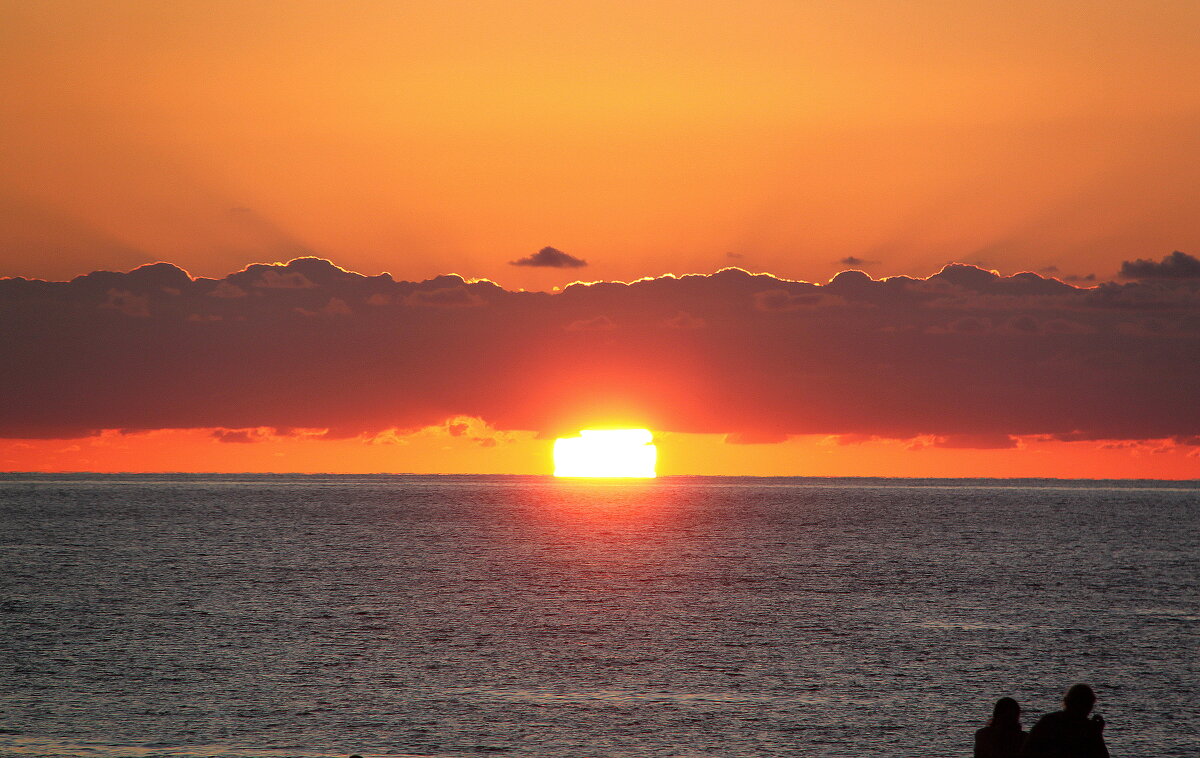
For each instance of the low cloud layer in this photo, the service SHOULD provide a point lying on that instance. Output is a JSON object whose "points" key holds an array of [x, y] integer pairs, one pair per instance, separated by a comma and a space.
{"points": [[1177, 265], [550, 257], [964, 354]]}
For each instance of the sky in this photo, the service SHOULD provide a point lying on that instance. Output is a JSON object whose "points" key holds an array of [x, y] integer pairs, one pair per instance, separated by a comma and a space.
{"points": [[1013, 178]]}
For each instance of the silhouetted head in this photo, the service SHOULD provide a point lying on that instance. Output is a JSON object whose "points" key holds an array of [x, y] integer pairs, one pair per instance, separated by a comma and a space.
{"points": [[1079, 699], [1006, 714]]}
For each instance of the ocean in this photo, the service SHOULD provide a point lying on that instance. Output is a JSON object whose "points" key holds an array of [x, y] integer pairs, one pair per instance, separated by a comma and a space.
{"points": [[245, 615]]}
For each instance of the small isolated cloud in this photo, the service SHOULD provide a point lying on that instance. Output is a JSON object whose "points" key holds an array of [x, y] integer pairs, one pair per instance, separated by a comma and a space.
{"points": [[550, 257], [852, 260], [735, 256], [1177, 265]]}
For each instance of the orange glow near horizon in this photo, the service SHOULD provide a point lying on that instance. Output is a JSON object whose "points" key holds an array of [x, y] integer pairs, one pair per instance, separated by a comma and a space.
{"points": [[480, 449], [606, 454]]}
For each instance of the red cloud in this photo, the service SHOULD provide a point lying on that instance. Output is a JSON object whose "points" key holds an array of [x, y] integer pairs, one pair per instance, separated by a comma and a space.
{"points": [[966, 357]]}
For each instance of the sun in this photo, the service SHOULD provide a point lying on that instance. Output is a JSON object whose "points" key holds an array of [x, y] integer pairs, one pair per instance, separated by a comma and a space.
{"points": [[608, 453]]}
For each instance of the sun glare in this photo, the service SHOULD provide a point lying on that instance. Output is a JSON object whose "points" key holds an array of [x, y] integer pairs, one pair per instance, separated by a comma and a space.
{"points": [[607, 453]]}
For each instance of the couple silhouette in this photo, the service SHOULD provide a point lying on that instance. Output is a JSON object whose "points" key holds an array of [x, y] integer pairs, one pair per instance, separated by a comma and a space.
{"points": [[1068, 733]]}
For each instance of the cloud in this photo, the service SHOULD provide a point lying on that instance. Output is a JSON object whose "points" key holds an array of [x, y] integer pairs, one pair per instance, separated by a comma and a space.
{"points": [[240, 436], [784, 300], [335, 307], [446, 297], [272, 279], [1177, 265], [549, 257], [261, 434], [227, 290], [124, 301], [851, 260], [1057, 273], [964, 357], [977, 441]]}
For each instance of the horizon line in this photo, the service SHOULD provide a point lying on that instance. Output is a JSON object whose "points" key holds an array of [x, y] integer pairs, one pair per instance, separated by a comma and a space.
{"points": [[551, 477]]}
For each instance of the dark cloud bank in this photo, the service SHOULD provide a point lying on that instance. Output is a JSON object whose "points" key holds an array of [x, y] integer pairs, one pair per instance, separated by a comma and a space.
{"points": [[963, 354], [1177, 265]]}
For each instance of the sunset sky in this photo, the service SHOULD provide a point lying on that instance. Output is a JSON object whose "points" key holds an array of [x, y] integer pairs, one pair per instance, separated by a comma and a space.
{"points": [[1013, 178]]}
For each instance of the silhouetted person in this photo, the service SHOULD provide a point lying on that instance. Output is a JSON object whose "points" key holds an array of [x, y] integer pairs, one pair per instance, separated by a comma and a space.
{"points": [[1003, 735], [1069, 733]]}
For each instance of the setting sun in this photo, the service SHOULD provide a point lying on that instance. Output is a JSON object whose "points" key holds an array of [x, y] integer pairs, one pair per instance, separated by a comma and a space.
{"points": [[609, 453]]}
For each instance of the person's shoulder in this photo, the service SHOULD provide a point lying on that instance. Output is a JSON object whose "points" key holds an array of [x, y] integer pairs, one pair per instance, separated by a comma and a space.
{"points": [[1046, 721], [1050, 721], [1051, 718]]}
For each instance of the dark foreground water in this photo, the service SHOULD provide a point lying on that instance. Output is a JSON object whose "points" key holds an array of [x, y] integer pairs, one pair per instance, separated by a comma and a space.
{"points": [[455, 616]]}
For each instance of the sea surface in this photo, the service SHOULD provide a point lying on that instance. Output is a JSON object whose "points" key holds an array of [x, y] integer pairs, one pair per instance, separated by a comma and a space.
{"points": [[205, 615]]}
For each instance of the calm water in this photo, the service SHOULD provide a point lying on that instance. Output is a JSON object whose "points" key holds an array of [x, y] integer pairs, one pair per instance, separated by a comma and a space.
{"points": [[455, 616]]}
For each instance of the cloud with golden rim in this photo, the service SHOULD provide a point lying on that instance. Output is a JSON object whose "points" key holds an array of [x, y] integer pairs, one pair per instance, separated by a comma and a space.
{"points": [[965, 355]]}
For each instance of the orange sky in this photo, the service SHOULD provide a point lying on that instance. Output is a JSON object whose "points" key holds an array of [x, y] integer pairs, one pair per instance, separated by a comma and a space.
{"points": [[430, 137], [422, 138]]}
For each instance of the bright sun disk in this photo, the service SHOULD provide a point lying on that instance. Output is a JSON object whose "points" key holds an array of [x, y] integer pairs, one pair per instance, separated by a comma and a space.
{"points": [[608, 453]]}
